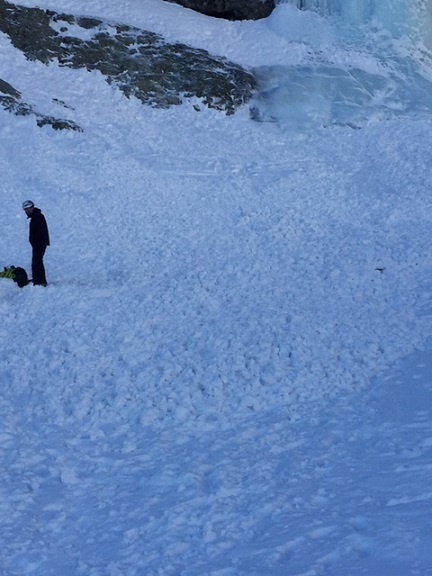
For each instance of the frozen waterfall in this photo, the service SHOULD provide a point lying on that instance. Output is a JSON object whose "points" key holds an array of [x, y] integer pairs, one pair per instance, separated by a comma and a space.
{"points": [[358, 11], [398, 16], [351, 62]]}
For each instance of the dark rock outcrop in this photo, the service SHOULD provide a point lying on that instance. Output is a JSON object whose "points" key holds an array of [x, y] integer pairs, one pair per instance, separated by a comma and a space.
{"points": [[10, 99], [230, 9], [139, 62]]}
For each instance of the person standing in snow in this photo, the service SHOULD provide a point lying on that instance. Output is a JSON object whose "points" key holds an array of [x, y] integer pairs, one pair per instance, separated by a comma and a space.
{"points": [[39, 240]]}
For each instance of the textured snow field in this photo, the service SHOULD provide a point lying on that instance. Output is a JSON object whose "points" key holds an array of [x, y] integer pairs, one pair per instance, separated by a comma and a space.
{"points": [[229, 373]]}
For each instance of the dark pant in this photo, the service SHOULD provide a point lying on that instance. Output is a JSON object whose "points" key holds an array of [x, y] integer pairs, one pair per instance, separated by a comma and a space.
{"points": [[38, 268]]}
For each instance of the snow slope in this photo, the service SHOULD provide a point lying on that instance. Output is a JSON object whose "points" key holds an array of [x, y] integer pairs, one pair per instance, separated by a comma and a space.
{"points": [[229, 373]]}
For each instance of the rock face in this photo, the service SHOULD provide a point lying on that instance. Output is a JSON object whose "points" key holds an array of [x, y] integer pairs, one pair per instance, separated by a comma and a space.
{"points": [[230, 9], [10, 99], [139, 62]]}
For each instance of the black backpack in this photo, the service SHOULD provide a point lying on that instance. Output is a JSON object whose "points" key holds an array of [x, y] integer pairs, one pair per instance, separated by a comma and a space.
{"points": [[19, 275]]}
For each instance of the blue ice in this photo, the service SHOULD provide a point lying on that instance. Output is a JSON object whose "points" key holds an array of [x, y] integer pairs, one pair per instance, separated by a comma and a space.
{"points": [[365, 61]]}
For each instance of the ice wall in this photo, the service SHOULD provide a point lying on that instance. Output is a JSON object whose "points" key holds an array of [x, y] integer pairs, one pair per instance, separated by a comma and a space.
{"points": [[352, 62], [355, 11], [400, 17]]}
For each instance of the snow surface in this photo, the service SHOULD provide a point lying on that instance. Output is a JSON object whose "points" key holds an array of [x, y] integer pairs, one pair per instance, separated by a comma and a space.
{"points": [[229, 373]]}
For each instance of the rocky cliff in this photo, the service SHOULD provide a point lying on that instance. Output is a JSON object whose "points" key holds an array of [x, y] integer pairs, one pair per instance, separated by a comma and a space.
{"points": [[230, 9], [140, 63]]}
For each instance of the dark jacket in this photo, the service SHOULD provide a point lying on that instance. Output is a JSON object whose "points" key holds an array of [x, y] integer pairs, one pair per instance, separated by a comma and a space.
{"points": [[39, 235]]}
